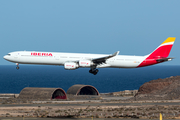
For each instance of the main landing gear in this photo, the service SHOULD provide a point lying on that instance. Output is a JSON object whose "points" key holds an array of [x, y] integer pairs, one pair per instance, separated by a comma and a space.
{"points": [[93, 71], [17, 66]]}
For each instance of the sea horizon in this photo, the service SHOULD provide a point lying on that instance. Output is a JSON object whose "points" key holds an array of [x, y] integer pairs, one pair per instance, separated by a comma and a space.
{"points": [[106, 81]]}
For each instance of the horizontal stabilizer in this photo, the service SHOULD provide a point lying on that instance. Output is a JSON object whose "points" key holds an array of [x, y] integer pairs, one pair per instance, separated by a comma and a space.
{"points": [[164, 59]]}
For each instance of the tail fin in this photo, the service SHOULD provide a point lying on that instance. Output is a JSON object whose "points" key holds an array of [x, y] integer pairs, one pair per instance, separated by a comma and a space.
{"points": [[160, 54], [163, 50]]}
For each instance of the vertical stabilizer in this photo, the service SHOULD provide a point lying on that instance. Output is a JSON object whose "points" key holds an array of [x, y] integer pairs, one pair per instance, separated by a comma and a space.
{"points": [[163, 50], [160, 54]]}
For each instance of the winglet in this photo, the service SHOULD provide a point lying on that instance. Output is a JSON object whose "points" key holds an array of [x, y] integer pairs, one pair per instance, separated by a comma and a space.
{"points": [[116, 53], [103, 59]]}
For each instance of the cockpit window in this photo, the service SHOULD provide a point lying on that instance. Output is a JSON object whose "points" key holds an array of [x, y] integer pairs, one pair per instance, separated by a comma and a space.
{"points": [[9, 54]]}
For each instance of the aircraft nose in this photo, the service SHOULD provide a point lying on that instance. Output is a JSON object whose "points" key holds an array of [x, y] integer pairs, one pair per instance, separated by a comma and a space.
{"points": [[5, 57]]}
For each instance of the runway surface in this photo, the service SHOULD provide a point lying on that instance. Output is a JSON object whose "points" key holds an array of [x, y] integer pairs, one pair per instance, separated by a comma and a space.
{"points": [[92, 104], [20, 118]]}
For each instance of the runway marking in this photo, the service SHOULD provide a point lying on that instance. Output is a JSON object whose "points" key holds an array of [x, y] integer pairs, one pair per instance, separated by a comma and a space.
{"points": [[15, 119], [6, 119]]}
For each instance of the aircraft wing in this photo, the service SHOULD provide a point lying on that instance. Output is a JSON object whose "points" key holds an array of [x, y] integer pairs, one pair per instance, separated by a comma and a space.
{"points": [[103, 59], [164, 59]]}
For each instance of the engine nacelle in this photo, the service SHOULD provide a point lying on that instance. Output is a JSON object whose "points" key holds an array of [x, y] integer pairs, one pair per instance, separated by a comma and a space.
{"points": [[70, 66], [85, 63]]}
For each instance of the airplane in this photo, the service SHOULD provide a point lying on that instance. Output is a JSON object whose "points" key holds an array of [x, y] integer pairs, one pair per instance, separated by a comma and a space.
{"points": [[72, 61]]}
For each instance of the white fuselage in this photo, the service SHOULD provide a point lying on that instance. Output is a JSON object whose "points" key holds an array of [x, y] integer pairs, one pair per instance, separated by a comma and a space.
{"points": [[72, 61], [56, 58]]}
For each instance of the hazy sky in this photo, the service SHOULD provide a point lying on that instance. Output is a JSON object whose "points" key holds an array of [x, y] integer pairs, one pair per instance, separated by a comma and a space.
{"points": [[133, 27]]}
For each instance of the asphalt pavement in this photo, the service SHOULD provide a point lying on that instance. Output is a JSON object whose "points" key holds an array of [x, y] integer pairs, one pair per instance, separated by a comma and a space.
{"points": [[92, 104], [71, 119]]}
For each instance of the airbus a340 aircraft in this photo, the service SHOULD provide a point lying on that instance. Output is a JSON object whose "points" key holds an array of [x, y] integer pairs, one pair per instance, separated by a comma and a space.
{"points": [[72, 61]]}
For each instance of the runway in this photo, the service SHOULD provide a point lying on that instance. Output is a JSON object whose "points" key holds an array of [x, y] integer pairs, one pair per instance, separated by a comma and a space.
{"points": [[71, 119], [86, 109], [92, 103]]}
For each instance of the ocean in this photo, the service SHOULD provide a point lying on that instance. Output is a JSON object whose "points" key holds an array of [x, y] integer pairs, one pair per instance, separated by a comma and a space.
{"points": [[107, 80]]}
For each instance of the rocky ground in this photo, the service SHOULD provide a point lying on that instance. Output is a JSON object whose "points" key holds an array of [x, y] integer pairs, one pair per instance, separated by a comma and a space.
{"points": [[160, 89], [146, 112]]}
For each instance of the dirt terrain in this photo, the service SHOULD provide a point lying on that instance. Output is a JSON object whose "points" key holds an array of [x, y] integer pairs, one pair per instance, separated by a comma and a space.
{"points": [[143, 112], [160, 89]]}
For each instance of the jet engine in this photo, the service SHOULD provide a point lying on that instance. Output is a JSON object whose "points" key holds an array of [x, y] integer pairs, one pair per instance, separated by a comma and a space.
{"points": [[71, 66], [85, 63]]}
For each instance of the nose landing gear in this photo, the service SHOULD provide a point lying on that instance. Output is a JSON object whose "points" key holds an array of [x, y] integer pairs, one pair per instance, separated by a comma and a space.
{"points": [[93, 71], [17, 66]]}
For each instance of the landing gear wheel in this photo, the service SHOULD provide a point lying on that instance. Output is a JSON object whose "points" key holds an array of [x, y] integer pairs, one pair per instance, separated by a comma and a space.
{"points": [[90, 71], [17, 66], [94, 71]]}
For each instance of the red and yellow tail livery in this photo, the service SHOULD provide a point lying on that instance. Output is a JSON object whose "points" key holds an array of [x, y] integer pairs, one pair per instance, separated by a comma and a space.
{"points": [[160, 54]]}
